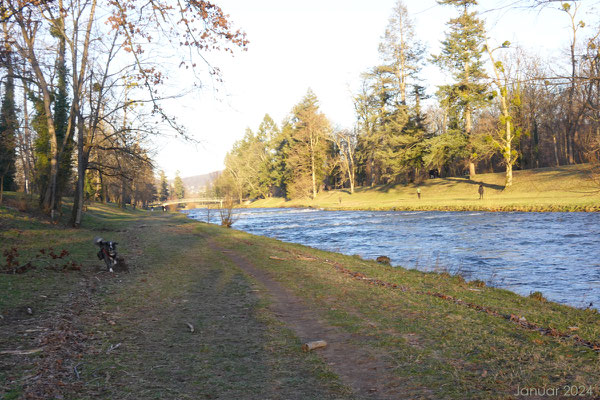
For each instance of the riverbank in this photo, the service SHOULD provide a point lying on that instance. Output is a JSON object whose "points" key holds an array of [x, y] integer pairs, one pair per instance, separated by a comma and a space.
{"points": [[208, 312], [567, 188]]}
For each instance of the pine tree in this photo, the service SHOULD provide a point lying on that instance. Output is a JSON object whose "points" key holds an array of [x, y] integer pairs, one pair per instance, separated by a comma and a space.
{"points": [[269, 176], [401, 52], [179, 188], [461, 56], [306, 154], [390, 119], [163, 192]]}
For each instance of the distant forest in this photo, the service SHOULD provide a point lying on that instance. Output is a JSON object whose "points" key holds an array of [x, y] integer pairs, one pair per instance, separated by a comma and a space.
{"points": [[504, 108]]}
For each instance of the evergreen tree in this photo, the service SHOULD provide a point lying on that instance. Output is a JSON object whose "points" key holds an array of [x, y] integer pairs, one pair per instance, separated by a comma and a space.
{"points": [[391, 127], [461, 56], [61, 121], [179, 188], [164, 187], [41, 146], [8, 127], [305, 158], [401, 52], [269, 175]]}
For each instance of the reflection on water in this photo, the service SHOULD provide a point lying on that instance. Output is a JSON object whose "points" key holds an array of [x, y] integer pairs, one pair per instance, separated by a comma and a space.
{"points": [[557, 254]]}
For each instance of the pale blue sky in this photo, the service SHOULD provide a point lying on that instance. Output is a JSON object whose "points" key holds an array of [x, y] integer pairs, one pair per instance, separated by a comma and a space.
{"points": [[324, 45]]}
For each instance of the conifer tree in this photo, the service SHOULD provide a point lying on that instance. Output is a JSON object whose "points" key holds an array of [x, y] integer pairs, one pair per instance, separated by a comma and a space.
{"points": [[8, 126], [179, 188], [306, 154], [163, 192], [461, 55], [401, 52]]}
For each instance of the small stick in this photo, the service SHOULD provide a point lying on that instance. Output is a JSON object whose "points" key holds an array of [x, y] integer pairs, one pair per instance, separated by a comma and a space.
{"points": [[191, 327], [113, 347], [76, 372]]}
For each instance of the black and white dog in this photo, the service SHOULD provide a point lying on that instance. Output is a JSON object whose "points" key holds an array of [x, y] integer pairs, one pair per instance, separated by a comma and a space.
{"points": [[108, 252]]}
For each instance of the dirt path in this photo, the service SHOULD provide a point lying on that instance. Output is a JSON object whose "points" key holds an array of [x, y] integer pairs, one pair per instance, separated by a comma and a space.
{"points": [[359, 367]]}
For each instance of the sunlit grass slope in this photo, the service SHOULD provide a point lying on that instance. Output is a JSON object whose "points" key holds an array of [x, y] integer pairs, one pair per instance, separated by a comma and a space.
{"points": [[568, 188]]}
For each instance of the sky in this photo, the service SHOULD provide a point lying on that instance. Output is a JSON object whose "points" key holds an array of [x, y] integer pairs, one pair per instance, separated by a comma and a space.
{"points": [[324, 45]]}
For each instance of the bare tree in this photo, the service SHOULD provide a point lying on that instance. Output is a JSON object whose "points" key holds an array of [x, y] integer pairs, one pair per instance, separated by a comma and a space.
{"points": [[507, 137], [346, 141]]}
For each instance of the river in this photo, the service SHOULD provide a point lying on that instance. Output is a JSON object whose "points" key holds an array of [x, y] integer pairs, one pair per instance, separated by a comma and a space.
{"points": [[557, 254]]}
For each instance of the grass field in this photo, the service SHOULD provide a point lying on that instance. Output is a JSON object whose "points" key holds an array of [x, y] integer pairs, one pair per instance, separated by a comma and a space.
{"points": [[205, 312], [568, 188]]}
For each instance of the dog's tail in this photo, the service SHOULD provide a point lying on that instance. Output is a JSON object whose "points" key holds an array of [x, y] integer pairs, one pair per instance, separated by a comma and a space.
{"points": [[98, 241]]}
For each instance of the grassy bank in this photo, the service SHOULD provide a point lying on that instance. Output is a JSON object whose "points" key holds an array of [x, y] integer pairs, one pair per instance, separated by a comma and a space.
{"points": [[567, 188], [188, 320]]}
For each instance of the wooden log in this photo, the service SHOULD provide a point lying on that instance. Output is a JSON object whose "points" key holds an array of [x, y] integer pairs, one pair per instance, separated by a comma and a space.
{"points": [[314, 345]]}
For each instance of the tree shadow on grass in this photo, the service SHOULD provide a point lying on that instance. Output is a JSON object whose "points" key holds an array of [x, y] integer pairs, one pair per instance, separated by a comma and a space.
{"points": [[477, 183]]}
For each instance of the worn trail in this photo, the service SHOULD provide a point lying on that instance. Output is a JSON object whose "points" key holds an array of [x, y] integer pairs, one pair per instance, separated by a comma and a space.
{"points": [[360, 367]]}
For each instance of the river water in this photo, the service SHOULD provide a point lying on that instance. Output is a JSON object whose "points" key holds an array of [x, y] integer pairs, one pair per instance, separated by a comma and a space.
{"points": [[557, 254]]}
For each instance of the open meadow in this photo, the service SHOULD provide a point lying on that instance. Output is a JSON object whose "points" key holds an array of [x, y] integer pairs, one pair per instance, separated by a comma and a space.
{"points": [[567, 188]]}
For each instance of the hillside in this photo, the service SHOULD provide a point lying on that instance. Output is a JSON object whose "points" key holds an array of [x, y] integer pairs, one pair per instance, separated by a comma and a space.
{"points": [[567, 188], [198, 183]]}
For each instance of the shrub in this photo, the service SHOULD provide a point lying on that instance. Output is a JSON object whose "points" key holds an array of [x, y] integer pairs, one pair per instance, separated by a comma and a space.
{"points": [[537, 296]]}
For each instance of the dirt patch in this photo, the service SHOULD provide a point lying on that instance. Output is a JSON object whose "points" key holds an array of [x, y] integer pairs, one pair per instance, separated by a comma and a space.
{"points": [[359, 367]]}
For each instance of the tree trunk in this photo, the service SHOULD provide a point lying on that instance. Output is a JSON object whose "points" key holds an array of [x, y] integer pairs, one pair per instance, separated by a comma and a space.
{"points": [[555, 150], [468, 128], [123, 193], [508, 156], [82, 163], [312, 168]]}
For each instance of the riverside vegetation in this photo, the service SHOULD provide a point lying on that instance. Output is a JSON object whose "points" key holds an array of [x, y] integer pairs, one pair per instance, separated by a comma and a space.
{"points": [[199, 315]]}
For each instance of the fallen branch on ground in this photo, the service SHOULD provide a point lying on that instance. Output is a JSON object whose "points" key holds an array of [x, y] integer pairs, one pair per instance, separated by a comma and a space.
{"points": [[22, 352]]}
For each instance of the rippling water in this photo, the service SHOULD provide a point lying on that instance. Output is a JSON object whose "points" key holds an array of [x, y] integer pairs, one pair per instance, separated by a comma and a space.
{"points": [[557, 254]]}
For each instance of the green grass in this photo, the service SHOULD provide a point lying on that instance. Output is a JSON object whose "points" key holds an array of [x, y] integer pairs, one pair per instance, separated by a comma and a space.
{"points": [[452, 350], [567, 188], [240, 349]]}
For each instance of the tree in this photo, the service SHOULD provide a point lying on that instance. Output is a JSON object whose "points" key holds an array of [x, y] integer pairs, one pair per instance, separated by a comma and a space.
{"points": [[195, 27], [269, 175], [179, 187], [508, 136], [29, 43], [461, 56], [8, 122], [402, 54], [388, 107], [346, 142], [306, 154], [163, 192]]}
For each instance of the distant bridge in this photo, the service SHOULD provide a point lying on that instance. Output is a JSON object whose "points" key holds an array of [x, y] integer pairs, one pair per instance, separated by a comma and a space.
{"points": [[195, 200]]}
